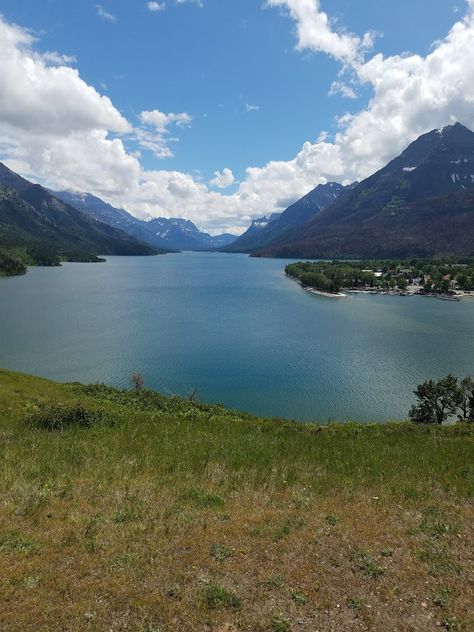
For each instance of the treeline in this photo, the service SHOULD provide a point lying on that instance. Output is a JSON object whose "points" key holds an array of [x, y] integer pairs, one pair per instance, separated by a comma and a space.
{"points": [[14, 260], [439, 275], [10, 266], [328, 277]]}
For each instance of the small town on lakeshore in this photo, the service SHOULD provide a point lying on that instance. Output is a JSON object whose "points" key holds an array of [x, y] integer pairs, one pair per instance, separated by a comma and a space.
{"points": [[445, 279]]}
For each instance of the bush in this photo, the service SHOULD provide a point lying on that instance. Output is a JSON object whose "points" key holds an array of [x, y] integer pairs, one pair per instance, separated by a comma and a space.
{"points": [[61, 416], [218, 597], [279, 623]]}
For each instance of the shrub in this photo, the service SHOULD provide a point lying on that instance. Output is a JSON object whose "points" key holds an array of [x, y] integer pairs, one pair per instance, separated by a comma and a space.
{"points": [[220, 552], [218, 597], [61, 416], [280, 623]]}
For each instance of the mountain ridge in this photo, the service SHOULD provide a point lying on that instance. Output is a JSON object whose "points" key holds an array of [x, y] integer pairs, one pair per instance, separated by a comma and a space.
{"points": [[173, 234], [262, 233], [30, 216], [421, 202]]}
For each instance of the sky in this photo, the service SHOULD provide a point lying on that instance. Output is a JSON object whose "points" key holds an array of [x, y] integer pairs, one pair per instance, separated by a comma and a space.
{"points": [[221, 111]]}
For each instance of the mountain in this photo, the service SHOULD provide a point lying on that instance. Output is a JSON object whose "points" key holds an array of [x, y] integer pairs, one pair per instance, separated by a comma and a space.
{"points": [[420, 204], [253, 234], [182, 234], [263, 231], [108, 214], [31, 216], [172, 234]]}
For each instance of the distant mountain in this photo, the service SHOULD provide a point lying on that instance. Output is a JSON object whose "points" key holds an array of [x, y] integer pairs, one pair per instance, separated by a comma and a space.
{"points": [[116, 217], [253, 234], [263, 231], [182, 234], [421, 203], [172, 234], [30, 216]]}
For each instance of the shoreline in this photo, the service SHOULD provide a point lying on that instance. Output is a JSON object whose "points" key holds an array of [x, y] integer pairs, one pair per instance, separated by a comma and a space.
{"points": [[313, 290], [454, 298]]}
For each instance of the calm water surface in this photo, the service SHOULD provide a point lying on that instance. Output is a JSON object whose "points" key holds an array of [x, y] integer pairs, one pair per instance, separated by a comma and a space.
{"points": [[236, 329]]}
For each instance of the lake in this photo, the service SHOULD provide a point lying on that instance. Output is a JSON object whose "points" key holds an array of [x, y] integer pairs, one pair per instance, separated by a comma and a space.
{"points": [[237, 330]]}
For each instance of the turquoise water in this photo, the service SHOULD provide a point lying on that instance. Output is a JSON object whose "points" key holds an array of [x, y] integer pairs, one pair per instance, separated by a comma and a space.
{"points": [[236, 329]]}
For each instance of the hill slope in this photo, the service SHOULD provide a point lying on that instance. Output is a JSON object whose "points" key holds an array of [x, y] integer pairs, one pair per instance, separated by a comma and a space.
{"points": [[31, 216], [263, 232], [421, 203], [175, 515]]}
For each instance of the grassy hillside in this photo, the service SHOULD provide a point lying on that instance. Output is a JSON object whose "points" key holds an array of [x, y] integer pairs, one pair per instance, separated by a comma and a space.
{"points": [[174, 516]]}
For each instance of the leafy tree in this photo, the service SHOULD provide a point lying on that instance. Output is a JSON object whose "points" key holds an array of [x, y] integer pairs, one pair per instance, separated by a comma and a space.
{"points": [[137, 382], [445, 286], [10, 266], [436, 400], [466, 404]]}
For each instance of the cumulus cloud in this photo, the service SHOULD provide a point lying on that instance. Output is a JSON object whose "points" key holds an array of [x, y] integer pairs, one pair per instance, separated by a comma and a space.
{"points": [[56, 127], [161, 121], [37, 96], [316, 32], [153, 135], [223, 179]]}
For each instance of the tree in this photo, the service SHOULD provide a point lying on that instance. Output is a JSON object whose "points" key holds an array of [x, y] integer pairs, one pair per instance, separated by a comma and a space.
{"points": [[466, 404], [445, 286], [402, 283], [436, 400], [137, 382]]}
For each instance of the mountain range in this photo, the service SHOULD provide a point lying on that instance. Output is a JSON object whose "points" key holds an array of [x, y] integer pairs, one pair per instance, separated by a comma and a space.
{"points": [[31, 217], [420, 204], [171, 234], [263, 231]]}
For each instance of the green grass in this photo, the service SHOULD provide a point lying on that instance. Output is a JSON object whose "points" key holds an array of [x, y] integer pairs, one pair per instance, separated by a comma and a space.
{"points": [[138, 508]]}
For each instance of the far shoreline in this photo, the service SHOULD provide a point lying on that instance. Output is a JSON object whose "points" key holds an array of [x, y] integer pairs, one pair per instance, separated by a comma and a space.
{"points": [[454, 298]]}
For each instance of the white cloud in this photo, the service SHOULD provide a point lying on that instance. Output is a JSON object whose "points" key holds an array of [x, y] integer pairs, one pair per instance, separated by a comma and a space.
{"points": [[38, 97], [55, 126], [223, 179], [339, 87], [251, 108], [103, 13], [52, 57], [156, 6], [153, 135], [316, 32], [162, 121], [198, 2]]}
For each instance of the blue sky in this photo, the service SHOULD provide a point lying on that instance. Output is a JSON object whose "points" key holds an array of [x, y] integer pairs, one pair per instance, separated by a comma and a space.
{"points": [[234, 67]]}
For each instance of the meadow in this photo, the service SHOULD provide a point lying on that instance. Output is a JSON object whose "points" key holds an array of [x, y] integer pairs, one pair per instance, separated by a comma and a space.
{"points": [[164, 514]]}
